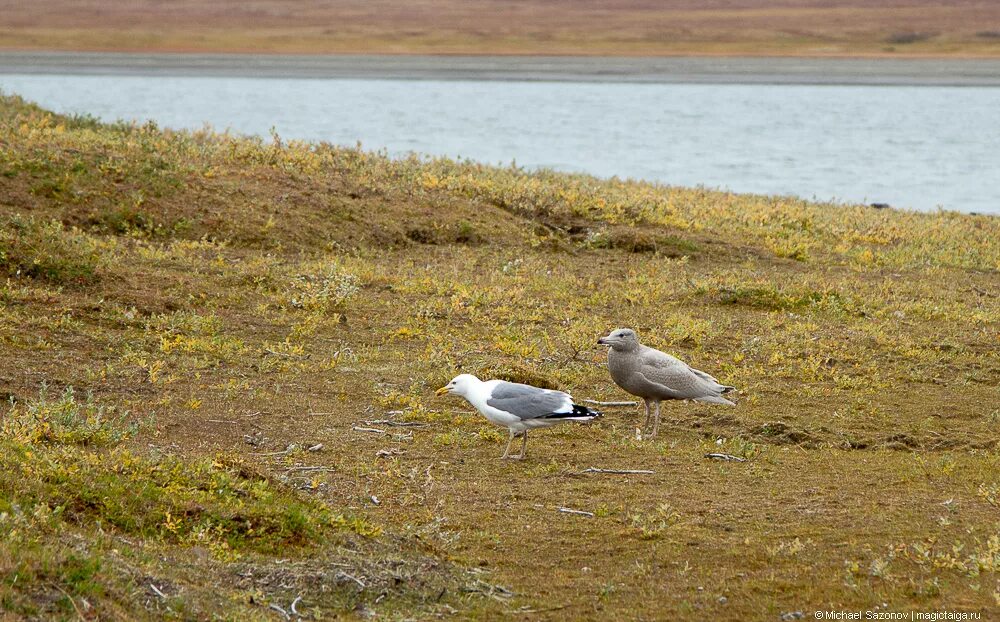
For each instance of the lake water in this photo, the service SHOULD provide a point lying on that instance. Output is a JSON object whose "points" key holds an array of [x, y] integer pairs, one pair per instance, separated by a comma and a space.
{"points": [[917, 147]]}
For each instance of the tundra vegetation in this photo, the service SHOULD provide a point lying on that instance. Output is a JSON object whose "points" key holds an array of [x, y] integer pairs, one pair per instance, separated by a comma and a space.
{"points": [[218, 357]]}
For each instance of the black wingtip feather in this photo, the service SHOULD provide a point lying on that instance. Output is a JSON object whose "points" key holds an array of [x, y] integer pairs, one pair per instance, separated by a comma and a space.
{"points": [[578, 412], [583, 411]]}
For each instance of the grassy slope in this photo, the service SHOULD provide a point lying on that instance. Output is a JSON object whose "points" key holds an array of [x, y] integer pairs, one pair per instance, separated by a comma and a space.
{"points": [[241, 298], [630, 27]]}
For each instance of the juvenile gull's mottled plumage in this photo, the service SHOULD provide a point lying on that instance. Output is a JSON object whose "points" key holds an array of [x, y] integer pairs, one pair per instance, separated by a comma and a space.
{"points": [[655, 376], [517, 407]]}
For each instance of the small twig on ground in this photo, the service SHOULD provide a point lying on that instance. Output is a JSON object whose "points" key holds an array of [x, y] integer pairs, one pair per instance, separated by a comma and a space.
{"points": [[726, 457], [295, 602], [527, 609], [288, 450], [375, 500], [344, 576], [71, 601], [280, 610], [487, 589], [398, 424], [222, 421], [287, 355], [157, 591], [385, 453], [373, 430], [618, 471], [315, 447], [579, 512], [611, 403], [309, 468]]}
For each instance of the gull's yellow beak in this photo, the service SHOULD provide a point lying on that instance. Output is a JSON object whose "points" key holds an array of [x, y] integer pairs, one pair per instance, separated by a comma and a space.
{"points": [[442, 391]]}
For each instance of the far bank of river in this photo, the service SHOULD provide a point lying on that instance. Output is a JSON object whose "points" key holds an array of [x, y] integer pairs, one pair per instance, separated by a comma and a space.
{"points": [[696, 70]]}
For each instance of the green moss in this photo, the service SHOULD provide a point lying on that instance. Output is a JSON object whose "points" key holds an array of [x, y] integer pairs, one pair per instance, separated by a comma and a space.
{"points": [[65, 420], [48, 464], [47, 251]]}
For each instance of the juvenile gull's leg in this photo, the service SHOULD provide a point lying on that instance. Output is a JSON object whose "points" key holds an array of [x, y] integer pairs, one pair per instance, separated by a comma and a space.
{"points": [[645, 426], [656, 420], [506, 451]]}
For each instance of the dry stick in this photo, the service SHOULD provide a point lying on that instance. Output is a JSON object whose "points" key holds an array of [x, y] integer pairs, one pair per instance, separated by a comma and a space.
{"points": [[618, 471], [71, 601], [398, 424], [280, 610], [295, 602], [547, 609], [611, 403], [290, 449], [309, 468], [726, 457], [374, 430], [298, 357], [344, 575], [222, 421], [158, 592], [572, 511]]}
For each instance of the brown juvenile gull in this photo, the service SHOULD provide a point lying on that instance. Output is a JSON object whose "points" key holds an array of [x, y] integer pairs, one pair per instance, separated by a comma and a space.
{"points": [[655, 376], [517, 407]]}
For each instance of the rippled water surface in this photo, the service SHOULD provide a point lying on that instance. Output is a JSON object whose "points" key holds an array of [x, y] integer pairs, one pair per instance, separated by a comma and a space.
{"points": [[910, 146]]}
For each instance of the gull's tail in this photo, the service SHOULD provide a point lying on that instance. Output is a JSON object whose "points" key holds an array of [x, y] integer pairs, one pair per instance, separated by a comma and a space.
{"points": [[716, 393], [714, 399]]}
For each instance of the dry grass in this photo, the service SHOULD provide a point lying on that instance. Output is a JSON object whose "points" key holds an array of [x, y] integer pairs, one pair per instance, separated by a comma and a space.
{"points": [[616, 27], [246, 301]]}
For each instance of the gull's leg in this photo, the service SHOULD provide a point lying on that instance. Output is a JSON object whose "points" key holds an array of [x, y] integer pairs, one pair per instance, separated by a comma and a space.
{"points": [[524, 446], [506, 451], [645, 426], [656, 420]]}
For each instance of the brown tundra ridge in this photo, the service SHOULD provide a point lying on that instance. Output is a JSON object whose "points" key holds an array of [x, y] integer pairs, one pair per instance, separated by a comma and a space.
{"points": [[575, 27]]}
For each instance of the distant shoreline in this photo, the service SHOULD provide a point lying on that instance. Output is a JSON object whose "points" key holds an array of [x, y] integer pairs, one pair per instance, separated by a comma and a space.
{"points": [[691, 70]]}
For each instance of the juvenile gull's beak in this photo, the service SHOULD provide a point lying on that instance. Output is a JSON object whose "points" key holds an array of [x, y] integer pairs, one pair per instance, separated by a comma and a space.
{"points": [[441, 391], [602, 341]]}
